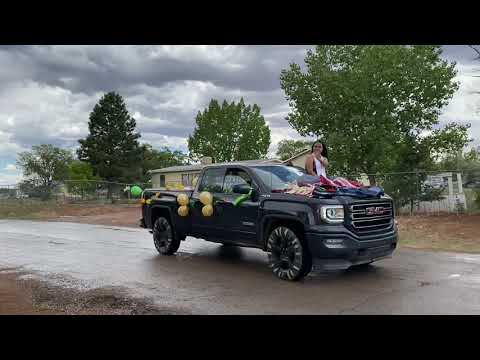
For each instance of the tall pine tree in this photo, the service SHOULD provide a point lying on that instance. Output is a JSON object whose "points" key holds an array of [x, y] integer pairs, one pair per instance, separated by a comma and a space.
{"points": [[112, 147]]}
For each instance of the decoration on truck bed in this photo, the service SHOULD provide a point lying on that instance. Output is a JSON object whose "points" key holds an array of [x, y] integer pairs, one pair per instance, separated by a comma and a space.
{"points": [[242, 198], [136, 190], [323, 187]]}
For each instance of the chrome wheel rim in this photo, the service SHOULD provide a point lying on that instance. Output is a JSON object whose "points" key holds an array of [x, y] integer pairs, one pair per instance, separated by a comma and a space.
{"points": [[162, 234], [284, 253]]}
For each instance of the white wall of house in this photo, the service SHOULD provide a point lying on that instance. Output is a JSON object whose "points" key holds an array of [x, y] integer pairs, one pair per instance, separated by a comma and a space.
{"points": [[173, 178], [300, 160]]}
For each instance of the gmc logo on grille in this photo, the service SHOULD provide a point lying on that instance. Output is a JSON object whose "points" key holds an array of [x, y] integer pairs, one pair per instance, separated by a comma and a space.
{"points": [[375, 210]]}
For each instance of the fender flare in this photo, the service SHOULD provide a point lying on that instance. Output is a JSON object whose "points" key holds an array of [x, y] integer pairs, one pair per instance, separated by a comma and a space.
{"points": [[267, 218]]}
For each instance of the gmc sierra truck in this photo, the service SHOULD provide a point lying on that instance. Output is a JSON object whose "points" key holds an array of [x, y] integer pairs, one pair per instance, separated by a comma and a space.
{"points": [[297, 232]]}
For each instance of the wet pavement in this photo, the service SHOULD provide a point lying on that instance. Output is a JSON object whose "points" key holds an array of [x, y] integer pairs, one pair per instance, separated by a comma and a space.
{"points": [[208, 278]]}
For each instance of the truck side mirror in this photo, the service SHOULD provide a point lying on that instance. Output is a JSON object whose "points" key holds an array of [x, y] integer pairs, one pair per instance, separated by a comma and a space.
{"points": [[241, 189]]}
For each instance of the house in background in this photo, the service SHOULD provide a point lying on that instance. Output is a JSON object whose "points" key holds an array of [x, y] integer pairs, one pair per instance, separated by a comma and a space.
{"points": [[298, 159]]}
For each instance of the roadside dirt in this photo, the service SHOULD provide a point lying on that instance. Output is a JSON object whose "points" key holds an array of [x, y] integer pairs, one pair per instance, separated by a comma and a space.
{"points": [[34, 297], [443, 233], [114, 214]]}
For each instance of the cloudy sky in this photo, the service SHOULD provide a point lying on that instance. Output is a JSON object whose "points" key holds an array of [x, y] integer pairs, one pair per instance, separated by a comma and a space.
{"points": [[47, 92]]}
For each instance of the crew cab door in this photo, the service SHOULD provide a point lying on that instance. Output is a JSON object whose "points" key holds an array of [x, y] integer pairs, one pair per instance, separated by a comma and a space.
{"points": [[239, 222], [210, 227], [229, 223]]}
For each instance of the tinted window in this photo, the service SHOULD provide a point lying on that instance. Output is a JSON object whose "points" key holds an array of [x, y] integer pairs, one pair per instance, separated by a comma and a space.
{"points": [[278, 177], [235, 177], [212, 180]]}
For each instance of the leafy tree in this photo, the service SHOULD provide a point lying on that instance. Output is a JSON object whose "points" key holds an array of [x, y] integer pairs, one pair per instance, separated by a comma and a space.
{"points": [[230, 132], [467, 163], [34, 188], [111, 147], [44, 166], [81, 178], [157, 159], [367, 102], [288, 148]]}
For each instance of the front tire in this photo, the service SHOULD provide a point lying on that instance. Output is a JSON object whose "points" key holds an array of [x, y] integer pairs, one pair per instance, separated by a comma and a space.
{"points": [[163, 238], [288, 257]]}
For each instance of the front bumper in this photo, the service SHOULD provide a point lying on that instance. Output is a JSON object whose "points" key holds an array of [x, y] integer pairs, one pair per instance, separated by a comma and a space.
{"points": [[349, 248]]}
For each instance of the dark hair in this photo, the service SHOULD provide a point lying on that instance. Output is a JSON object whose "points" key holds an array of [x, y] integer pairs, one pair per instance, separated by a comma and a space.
{"points": [[324, 151]]}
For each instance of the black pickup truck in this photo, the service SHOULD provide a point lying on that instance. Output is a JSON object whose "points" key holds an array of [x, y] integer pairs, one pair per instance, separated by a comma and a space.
{"points": [[296, 231]]}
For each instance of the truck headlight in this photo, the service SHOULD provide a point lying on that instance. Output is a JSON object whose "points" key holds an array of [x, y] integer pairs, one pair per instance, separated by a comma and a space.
{"points": [[332, 213]]}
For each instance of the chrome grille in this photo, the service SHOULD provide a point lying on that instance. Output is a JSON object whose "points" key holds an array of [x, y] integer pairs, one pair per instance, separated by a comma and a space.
{"points": [[371, 217]]}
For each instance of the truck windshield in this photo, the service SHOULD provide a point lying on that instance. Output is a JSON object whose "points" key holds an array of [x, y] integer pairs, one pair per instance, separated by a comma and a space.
{"points": [[278, 177]]}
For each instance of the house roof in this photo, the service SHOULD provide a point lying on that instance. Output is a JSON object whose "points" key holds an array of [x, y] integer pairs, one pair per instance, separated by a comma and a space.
{"points": [[181, 168], [303, 152], [199, 167]]}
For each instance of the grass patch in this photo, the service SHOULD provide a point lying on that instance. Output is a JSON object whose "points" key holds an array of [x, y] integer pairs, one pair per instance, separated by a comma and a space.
{"points": [[442, 233], [414, 240], [26, 209]]}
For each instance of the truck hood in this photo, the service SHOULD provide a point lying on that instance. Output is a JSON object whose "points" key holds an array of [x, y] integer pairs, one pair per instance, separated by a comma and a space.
{"points": [[335, 200]]}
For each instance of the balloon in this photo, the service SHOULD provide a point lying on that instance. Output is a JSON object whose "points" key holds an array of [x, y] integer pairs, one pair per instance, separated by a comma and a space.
{"points": [[207, 210], [206, 198], [183, 210], [182, 199], [136, 190]]}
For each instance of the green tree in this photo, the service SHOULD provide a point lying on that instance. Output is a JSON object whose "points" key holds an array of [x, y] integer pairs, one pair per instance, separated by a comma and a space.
{"points": [[467, 163], [112, 147], [288, 148], [44, 166], [230, 132], [81, 178], [367, 102], [158, 159], [407, 183]]}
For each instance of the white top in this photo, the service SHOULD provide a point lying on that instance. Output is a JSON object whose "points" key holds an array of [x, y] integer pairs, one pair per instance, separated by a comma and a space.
{"points": [[319, 167]]}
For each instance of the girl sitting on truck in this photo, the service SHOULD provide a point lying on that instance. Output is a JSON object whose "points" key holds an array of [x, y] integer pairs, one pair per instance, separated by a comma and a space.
{"points": [[317, 162]]}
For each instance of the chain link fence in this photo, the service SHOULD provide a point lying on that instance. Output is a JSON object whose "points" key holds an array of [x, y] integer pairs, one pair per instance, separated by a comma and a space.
{"points": [[429, 192], [71, 191]]}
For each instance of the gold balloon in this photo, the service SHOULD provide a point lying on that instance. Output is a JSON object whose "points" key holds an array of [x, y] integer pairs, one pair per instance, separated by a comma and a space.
{"points": [[183, 210], [207, 210], [182, 199], [206, 198]]}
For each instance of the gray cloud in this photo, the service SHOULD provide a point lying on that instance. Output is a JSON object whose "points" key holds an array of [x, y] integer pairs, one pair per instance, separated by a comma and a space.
{"points": [[91, 69], [47, 92]]}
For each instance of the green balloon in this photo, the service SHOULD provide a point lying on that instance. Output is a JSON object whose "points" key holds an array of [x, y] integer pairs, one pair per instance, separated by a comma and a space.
{"points": [[136, 190]]}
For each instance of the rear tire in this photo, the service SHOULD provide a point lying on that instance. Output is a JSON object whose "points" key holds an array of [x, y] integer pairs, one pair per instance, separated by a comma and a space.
{"points": [[163, 238], [288, 257]]}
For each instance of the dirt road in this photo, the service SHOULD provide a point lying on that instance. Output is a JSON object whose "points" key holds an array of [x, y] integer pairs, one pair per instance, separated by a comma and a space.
{"points": [[206, 278]]}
